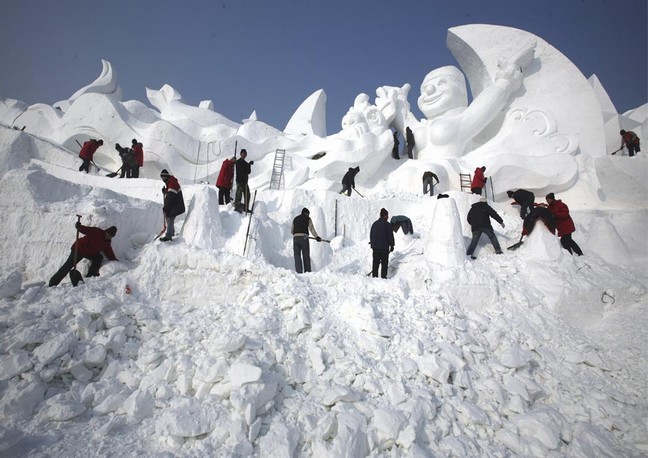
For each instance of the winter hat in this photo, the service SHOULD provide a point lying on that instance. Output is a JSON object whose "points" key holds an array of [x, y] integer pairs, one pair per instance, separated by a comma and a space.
{"points": [[305, 211], [134, 141], [112, 230], [551, 196], [383, 212], [357, 169], [509, 193], [164, 174]]}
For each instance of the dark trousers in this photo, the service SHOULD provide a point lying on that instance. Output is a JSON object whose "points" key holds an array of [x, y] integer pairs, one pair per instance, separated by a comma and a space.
{"points": [[85, 166], [135, 171], [476, 191], [224, 197], [568, 244], [632, 149], [428, 184], [525, 208], [395, 152], [301, 249], [346, 189], [68, 265], [476, 234], [409, 151], [242, 192], [125, 171], [380, 258]]}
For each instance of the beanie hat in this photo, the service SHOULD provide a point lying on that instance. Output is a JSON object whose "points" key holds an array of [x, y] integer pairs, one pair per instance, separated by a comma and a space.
{"points": [[112, 230], [305, 211], [164, 174], [134, 141], [551, 196], [383, 212], [509, 193]]}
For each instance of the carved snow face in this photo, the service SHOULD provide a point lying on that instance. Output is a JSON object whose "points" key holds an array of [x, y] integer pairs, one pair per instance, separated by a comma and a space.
{"points": [[375, 119], [442, 90]]}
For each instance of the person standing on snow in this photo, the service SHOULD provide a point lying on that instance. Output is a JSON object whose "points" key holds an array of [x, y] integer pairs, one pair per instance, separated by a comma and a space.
{"points": [[173, 203], [95, 242], [225, 180], [428, 183], [525, 199], [127, 157], [396, 145], [630, 140], [301, 246], [87, 152], [479, 219], [243, 170], [409, 142], [138, 152], [478, 181], [348, 180], [381, 238], [564, 223]]}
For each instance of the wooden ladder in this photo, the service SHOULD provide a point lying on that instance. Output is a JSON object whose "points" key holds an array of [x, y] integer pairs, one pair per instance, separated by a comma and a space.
{"points": [[276, 178], [465, 180]]}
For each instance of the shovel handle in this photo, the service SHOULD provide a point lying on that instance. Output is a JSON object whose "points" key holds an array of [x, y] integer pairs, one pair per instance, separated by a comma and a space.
{"points": [[76, 242]]}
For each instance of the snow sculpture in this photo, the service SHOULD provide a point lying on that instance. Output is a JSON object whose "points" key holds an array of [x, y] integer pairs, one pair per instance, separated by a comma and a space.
{"points": [[105, 84], [310, 117]]}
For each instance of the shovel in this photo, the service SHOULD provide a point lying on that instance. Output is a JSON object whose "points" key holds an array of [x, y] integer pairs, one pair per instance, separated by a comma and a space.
{"points": [[114, 174], [75, 275], [517, 245]]}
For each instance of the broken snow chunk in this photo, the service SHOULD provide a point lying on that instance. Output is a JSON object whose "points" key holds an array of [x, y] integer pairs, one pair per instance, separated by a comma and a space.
{"points": [[242, 373], [434, 367], [387, 423], [139, 405], [338, 393], [14, 363], [230, 343], [470, 413], [189, 419], [94, 356], [62, 408], [51, 349], [111, 403], [515, 358]]}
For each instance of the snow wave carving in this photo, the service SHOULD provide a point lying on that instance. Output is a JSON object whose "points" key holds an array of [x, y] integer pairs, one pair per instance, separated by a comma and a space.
{"points": [[105, 84]]}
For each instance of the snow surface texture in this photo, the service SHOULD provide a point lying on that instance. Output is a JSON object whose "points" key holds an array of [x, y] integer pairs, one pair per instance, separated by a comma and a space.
{"points": [[191, 348]]}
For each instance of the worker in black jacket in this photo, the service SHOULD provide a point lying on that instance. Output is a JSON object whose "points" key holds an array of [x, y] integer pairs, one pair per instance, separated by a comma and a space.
{"points": [[381, 239], [243, 170], [301, 247], [479, 219], [525, 199]]}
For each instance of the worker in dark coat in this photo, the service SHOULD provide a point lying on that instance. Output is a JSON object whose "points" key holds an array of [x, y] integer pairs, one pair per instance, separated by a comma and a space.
{"points": [[243, 170], [409, 142], [402, 222], [381, 238], [173, 203], [95, 242], [479, 217], [301, 225], [348, 180], [564, 224], [538, 213], [225, 181], [478, 181], [631, 141], [525, 199], [396, 145], [429, 182], [87, 152], [127, 156]]}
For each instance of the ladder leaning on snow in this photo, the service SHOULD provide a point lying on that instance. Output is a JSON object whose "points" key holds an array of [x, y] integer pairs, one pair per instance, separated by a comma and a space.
{"points": [[277, 169], [465, 181]]}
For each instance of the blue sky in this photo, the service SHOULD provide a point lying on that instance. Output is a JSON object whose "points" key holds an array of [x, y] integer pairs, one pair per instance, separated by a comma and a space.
{"points": [[269, 56]]}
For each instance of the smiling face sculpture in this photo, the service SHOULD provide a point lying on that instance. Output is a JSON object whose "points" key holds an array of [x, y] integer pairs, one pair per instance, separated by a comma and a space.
{"points": [[442, 89]]}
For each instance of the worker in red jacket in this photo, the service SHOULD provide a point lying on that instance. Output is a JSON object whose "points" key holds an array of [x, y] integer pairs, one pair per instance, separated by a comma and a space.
{"points": [[478, 181], [173, 203], [95, 242], [564, 224], [87, 151], [138, 149], [225, 181]]}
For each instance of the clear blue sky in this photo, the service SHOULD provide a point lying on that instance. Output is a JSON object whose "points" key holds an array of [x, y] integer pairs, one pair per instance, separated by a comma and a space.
{"points": [[270, 55]]}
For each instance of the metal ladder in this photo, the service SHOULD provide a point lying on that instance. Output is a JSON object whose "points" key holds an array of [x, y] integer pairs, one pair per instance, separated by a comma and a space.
{"points": [[465, 180], [277, 169]]}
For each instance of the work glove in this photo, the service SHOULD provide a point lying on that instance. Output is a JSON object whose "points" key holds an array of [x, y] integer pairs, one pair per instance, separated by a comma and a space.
{"points": [[251, 162], [391, 248], [503, 225], [318, 238], [77, 224]]}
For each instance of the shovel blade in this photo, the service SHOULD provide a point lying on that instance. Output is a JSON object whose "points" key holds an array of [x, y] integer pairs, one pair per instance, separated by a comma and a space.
{"points": [[75, 277], [112, 175], [515, 246]]}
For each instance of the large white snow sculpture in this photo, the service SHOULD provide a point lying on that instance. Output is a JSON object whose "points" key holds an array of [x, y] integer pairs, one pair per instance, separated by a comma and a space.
{"points": [[310, 117], [105, 84]]}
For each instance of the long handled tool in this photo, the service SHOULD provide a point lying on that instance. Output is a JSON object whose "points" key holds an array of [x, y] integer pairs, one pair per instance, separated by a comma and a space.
{"points": [[75, 275], [320, 240], [617, 151], [517, 245], [358, 192], [114, 174]]}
